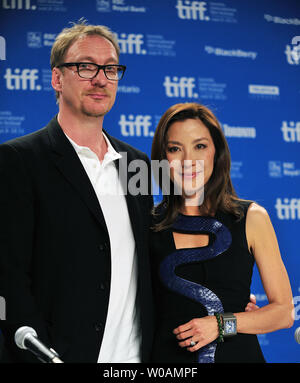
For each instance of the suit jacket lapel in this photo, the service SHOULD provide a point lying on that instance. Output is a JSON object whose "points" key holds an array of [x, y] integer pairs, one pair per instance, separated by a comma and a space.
{"points": [[68, 163]]}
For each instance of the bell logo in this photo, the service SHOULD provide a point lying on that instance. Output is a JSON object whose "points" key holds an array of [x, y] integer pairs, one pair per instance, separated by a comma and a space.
{"points": [[180, 87], [288, 209], [22, 79], [136, 125], [291, 132], [131, 43], [192, 10], [18, 4]]}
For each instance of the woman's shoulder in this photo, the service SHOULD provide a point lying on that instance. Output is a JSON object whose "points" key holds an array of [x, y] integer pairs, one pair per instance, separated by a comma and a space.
{"points": [[250, 209], [244, 204], [257, 213], [258, 222]]}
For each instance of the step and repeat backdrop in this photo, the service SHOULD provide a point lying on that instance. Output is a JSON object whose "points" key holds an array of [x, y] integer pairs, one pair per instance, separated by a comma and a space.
{"points": [[239, 58]]}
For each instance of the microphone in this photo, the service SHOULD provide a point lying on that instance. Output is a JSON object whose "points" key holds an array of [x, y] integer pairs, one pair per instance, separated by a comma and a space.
{"points": [[297, 335], [26, 339]]}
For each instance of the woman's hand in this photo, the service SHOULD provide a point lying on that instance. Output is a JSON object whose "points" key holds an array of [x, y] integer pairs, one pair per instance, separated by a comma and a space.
{"points": [[202, 331], [251, 306]]}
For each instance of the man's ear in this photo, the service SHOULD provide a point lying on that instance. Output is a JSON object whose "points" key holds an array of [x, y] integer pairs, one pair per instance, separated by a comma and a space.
{"points": [[56, 79]]}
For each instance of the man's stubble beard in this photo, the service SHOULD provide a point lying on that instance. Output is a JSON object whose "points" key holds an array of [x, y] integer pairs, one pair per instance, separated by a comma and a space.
{"points": [[88, 113]]}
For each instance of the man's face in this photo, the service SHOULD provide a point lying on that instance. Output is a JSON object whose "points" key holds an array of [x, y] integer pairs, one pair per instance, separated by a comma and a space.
{"points": [[81, 96]]}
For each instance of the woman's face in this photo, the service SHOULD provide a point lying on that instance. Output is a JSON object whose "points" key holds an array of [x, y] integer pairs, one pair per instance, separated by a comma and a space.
{"points": [[190, 152]]}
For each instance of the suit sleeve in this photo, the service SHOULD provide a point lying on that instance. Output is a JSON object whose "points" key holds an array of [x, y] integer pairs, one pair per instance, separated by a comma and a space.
{"points": [[17, 228]]}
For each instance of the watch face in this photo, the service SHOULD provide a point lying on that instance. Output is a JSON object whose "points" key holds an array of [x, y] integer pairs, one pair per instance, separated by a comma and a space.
{"points": [[230, 327]]}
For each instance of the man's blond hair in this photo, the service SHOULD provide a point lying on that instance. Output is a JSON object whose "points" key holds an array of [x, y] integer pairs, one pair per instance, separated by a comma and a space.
{"points": [[78, 30]]}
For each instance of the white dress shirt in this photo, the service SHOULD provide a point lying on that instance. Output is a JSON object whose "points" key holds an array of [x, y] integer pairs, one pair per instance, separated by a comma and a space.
{"points": [[122, 339]]}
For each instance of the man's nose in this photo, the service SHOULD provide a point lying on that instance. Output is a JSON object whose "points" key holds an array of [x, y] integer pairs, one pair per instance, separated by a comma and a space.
{"points": [[100, 79]]}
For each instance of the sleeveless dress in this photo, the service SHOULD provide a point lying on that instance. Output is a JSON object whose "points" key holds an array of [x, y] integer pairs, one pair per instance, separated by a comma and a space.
{"points": [[193, 283]]}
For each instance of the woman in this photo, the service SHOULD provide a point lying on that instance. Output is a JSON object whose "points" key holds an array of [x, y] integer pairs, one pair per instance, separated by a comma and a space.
{"points": [[205, 241]]}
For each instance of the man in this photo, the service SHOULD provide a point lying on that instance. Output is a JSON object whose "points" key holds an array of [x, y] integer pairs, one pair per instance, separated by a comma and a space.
{"points": [[74, 259]]}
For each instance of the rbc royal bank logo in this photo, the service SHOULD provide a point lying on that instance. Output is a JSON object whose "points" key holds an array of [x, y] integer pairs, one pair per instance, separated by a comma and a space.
{"points": [[192, 10], [22, 79], [131, 43], [288, 209], [136, 126], [34, 39], [18, 4], [291, 131], [180, 87]]}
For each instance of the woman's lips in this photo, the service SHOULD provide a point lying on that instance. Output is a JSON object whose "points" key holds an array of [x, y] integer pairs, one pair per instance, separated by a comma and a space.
{"points": [[189, 175]]}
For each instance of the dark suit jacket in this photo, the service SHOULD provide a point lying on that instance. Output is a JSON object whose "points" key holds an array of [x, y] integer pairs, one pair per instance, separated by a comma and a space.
{"points": [[55, 250]]}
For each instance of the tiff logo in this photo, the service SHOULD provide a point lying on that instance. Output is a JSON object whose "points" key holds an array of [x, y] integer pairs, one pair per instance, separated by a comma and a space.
{"points": [[22, 79], [180, 87], [291, 132], [288, 208], [131, 43], [2, 48], [136, 125], [192, 10], [293, 53], [18, 4]]}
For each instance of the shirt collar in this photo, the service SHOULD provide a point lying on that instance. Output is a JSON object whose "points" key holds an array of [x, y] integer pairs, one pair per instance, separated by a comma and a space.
{"points": [[110, 155]]}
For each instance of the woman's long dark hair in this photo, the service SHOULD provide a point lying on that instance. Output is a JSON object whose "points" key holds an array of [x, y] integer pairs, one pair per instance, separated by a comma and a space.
{"points": [[218, 192]]}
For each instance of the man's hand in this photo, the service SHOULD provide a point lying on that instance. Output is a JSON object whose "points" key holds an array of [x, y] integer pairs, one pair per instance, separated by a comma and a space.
{"points": [[251, 306]]}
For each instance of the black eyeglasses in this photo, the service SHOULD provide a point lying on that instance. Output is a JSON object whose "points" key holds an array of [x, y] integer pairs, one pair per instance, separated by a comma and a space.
{"points": [[89, 71]]}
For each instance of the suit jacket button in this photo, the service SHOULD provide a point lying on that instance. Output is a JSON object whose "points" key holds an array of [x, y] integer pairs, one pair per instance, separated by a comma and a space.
{"points": [[102, 286], [103, 246], [98, 326]]}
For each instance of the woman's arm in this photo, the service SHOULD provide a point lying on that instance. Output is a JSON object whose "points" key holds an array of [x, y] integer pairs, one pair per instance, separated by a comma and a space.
{"points": [[263, 244]]}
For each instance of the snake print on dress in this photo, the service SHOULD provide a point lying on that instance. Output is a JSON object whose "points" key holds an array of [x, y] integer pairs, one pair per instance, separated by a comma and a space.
{"points": [[194, 291]]}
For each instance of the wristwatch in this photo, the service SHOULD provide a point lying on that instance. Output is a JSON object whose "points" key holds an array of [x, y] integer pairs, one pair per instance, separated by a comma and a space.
{"points": [[229, 324]]}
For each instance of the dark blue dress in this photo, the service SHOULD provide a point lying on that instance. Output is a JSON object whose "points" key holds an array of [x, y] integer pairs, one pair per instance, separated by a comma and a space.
{"points": [[193, 283]]}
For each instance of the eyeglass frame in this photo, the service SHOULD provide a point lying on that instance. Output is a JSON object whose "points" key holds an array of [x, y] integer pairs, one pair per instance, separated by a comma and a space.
{"points": [[98, 70]]}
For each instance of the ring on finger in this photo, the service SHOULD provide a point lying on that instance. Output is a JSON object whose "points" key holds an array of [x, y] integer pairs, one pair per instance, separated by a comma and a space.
{"points": [[192, 344]]}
